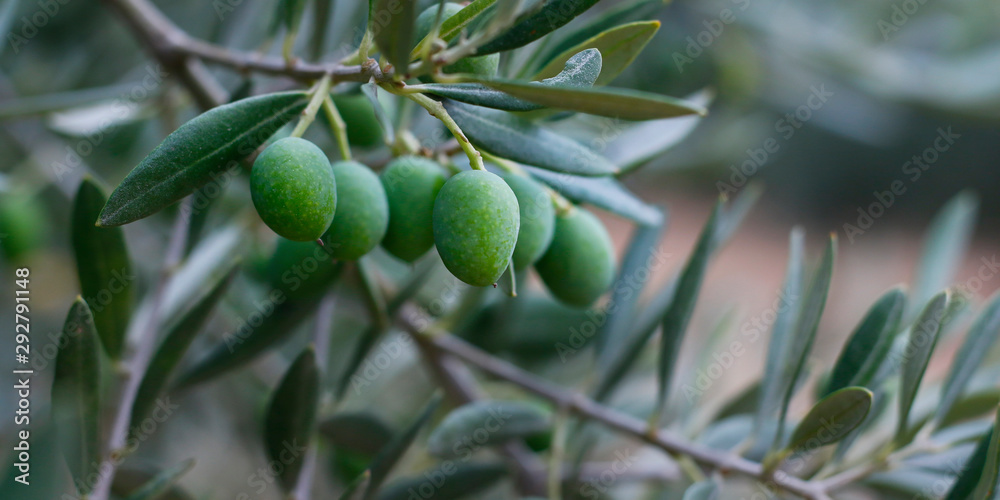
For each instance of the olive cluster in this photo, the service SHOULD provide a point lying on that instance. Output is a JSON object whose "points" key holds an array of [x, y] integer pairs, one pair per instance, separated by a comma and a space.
{"points": [[479, 221]]}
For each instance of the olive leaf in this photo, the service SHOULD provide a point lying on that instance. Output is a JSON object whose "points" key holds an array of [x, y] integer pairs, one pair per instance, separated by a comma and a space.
{"points": [[602, 192], [486, 423], [392, 22], [550, 16], [829, 420], [389, 455], [970, 406], [625, 104], [291, 415], [453, 26], [160, 484], [370, 90], [76, 395], [924, 335], [104, 269], [678, 314], [640, 143], [180, 334], [581, 70], [970, 473], [514, 138], [287, 13], [198, 152], [870, 343], [978, 342], [464, 481], [987, 486], [358, 432], [619, 46], [702, 490]]}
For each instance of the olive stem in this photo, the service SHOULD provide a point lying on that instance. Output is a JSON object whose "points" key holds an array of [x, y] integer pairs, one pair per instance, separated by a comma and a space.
{"points": [[436, 109], [319, 93], [337, 127]]}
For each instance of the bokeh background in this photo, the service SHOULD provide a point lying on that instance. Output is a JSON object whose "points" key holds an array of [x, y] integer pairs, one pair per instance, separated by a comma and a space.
{"points": [[823, 104]]}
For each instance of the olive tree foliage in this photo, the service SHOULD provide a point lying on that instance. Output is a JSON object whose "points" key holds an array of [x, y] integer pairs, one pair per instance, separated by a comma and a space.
{"points": [[456, 170]]}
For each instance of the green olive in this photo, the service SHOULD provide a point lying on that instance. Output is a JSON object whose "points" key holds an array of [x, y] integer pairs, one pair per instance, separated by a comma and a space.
{"points": [[475, 226], [411, 183], [301, 269], [363, 129], [579, 265], [293, 189], [22, 224], [362, 212], [480, 65], [538, 219]]}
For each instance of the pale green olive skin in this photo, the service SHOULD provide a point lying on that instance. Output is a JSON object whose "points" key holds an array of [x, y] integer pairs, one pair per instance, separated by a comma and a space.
{"points": [[293, 189], [476, 220], [579, 265], [411, 184], [362, 212], [538, 219], [478, 65]]}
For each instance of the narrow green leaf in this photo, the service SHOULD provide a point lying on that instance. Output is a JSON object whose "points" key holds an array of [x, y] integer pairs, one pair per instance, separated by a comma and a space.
{"points": [[179, 335], [197, 152], [76, 395], [389, 455], [625, 104], [987, 486], [581, 70], [103, 267], [702, 490], [394, 30], [602, 192], [130, 479], [501, 421], [619, 46], [917, 355], [971, 406], [733, 217], [678, 315], [511, 137], [972, 471], [464, 480], [356, 490], [160, 485], [804, 332], [370, 90], [944, 247], [777, 372], [607, 20], [640, 143], [978, 342], [291, 415], [870, 343], [453, 26], [552, 15], [829, 420], [288, 13], [357, 432]]}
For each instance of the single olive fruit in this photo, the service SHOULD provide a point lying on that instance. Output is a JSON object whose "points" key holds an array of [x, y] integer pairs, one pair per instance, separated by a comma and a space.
{"points": [[475, 226], [538, 219], [293, 189], [23, 225], [411, 183], [362, 212], [579, 265], [363, 128], [480, 65], [300, 269]]}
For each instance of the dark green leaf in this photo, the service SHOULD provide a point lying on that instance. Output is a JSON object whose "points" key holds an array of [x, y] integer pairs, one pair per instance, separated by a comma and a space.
{"points": [[619, 46], [358, 432], [870, 343], [389, 455], [640, 143], [453, 26], [625, 104], [581, 71], [160, 485], [287, 13], [290, 417], [678, 315], [917, 355], [199, 151], [971, 406], [103, 266], [511, 137], [731, 218], [76, 395], [464, 480], [703, 490], [130, 479], [970, 473], [392, 23], [370, 90], [486, 423], [602, 192], [987, 486], [800, 343], [978, 342], [834, 417], [944, 247], [552, 15], [179, 335]]}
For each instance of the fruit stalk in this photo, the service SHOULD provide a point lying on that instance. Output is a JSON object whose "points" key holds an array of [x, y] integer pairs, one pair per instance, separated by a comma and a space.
{"points": [[337, 127], [437, 111], [320, 93]]}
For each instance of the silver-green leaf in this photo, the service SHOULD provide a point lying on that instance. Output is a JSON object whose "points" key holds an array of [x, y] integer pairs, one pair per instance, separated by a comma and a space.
{"points": [[829, 420], [486, 423]]}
